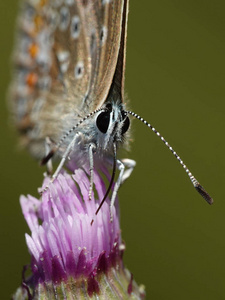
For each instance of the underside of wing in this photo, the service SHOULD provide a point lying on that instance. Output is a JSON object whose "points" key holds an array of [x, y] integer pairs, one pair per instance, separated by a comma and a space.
{"points": [[110, 18], [68, 55], [52, 70]]}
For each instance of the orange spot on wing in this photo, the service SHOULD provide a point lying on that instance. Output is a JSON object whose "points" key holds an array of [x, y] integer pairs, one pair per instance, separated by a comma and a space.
{"points": [[38, 21], [31, 79], [43, 2], [33, 50]]}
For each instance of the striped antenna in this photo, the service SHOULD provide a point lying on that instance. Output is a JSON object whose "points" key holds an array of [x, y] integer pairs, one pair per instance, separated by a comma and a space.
{"points": [[53, 150], [194, 181]]}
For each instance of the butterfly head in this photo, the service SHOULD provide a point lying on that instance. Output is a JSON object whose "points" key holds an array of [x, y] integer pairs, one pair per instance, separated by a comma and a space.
{"points": [[112, 124]]}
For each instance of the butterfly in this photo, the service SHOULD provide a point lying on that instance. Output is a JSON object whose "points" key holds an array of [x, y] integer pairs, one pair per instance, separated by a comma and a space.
{"points": [[68, 88]]}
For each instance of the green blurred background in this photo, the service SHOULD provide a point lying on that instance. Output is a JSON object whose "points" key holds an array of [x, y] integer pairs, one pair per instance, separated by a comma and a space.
{"points": [[174, 79]]}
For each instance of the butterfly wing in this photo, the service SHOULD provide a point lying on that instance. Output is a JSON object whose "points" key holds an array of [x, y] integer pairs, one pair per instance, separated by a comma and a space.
{"points": [[110, 42], [66, 56]]}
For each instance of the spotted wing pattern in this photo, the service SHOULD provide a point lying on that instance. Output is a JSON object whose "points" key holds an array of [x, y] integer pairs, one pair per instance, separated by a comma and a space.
{"points": [[65, 59]]}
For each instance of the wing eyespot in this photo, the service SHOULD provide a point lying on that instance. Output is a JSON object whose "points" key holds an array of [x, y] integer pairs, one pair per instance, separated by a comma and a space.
{"points": [[75, 27]]}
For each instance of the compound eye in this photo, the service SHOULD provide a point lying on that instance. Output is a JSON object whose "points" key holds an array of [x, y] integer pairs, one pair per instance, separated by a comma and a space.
{"points": [[102, 121], [126, 124]]}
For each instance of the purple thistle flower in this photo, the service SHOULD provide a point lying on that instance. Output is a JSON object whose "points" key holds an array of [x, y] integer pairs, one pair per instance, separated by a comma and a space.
{"points": [[72, 259]]}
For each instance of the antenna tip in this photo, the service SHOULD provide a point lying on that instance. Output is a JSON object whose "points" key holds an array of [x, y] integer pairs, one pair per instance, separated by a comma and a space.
{"points": [[203, 193]]}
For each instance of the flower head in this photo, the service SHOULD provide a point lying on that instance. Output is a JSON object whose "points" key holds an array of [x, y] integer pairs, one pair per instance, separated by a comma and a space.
{"points": [[68, 253]]}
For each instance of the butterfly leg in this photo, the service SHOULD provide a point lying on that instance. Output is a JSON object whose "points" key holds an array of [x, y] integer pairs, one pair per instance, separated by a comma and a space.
{"points": [[49, 166], [123, 175], [91, 150], [59, 168], [130, 165]]}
